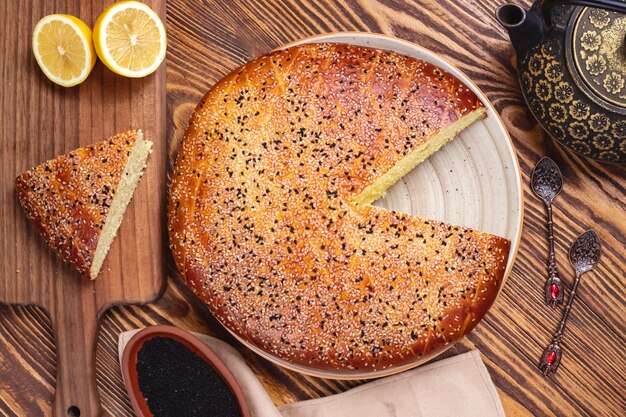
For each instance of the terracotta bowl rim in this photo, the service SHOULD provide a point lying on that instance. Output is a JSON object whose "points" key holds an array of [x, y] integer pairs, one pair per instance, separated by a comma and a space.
{"points": [[129, 357]]}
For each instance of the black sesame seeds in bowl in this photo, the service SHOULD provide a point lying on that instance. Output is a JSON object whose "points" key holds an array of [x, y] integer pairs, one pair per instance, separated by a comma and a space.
{"points": [[168, 373]]}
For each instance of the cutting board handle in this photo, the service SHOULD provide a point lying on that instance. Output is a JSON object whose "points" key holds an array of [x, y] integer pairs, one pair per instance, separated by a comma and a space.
{"points": [[76, 329]]}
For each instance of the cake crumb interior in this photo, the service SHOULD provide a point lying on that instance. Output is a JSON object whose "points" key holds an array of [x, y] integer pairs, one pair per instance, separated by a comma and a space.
{"points": [[377, 189], [132, 172]]}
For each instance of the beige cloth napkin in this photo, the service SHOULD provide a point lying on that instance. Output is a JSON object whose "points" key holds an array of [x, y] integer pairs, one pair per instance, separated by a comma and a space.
{"points": [[459, 386]]}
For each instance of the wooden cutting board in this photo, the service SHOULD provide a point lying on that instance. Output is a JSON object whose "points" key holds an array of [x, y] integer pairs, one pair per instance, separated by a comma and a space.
{"points": [[41, 120]]}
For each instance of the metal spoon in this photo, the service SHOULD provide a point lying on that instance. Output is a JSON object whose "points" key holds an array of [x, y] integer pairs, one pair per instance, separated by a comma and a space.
{"points": [[547, 183], [584, 255]]}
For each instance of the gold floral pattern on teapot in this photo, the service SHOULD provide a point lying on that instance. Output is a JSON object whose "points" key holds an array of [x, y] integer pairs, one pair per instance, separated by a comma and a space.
{"points": [[598, 53], [572, 71], [589, 127]]}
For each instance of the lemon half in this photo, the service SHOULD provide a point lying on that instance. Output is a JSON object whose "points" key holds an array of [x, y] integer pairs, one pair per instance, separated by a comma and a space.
{"points": [[63, 49], [130, 39]]}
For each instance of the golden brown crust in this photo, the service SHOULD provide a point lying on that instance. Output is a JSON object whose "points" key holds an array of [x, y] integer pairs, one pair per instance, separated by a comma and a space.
{"points": [[68, 198], [263, 230]]}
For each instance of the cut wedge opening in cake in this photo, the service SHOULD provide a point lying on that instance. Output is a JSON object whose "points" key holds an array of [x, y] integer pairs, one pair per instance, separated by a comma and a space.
{"points": [[377, 189], [132, 172]]}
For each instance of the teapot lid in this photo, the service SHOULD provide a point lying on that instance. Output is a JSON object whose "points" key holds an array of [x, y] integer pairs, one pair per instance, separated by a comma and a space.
{"points": [[597, 58]]}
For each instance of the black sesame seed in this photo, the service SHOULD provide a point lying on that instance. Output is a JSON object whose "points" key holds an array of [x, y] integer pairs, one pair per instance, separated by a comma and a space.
{"points": [[177, 382]]}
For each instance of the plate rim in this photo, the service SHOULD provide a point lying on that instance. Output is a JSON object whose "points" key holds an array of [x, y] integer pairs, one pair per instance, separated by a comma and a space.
{"points": [[515, 243]]}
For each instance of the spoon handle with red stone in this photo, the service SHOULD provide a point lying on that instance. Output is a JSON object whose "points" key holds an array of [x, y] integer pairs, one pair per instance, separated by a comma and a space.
{"points": [[551, 357], [553, 290]]}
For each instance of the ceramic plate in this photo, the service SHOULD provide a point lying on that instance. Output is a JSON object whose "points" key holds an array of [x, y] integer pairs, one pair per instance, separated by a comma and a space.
{"points": [[473, 181]]}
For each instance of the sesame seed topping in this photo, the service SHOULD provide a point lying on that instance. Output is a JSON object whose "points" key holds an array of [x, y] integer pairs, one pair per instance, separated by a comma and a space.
{"points": [[287, 143]]}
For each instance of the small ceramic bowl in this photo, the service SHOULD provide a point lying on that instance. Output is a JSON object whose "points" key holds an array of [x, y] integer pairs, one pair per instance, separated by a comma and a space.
{"points": [[129, 365]]}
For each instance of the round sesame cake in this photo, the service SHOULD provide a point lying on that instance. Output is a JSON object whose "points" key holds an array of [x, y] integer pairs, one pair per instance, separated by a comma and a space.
{"points": [[270, 220]]}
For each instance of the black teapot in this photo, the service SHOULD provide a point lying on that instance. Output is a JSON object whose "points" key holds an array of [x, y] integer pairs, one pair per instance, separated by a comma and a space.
{"points": [[571, 60]]}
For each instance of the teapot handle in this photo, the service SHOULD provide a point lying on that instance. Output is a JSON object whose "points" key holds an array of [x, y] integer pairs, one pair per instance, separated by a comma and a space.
{"points": [[618, 6]]}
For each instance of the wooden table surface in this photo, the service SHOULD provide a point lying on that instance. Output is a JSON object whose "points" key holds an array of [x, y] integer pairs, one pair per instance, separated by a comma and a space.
{"points": [[208, 39]]}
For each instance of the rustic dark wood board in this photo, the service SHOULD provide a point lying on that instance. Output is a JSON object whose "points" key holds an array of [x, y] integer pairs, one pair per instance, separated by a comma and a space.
{"points": [[210, 38], [39, 121]]}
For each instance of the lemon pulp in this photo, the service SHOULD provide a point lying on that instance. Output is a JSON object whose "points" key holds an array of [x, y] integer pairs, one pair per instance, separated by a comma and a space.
{"points": [[130, 39], [63, 49]]}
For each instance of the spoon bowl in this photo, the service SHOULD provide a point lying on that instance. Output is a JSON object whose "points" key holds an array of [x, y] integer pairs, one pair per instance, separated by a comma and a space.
{"points": [[585, 252], [547, 180]]}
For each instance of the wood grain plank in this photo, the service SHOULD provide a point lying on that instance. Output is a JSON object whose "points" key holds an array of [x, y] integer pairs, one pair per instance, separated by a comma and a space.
{"points": [[206, 41], [40, 121]]}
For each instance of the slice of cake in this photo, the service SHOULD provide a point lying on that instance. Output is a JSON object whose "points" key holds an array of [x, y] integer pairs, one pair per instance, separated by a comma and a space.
{"points": [[77, 200]]}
